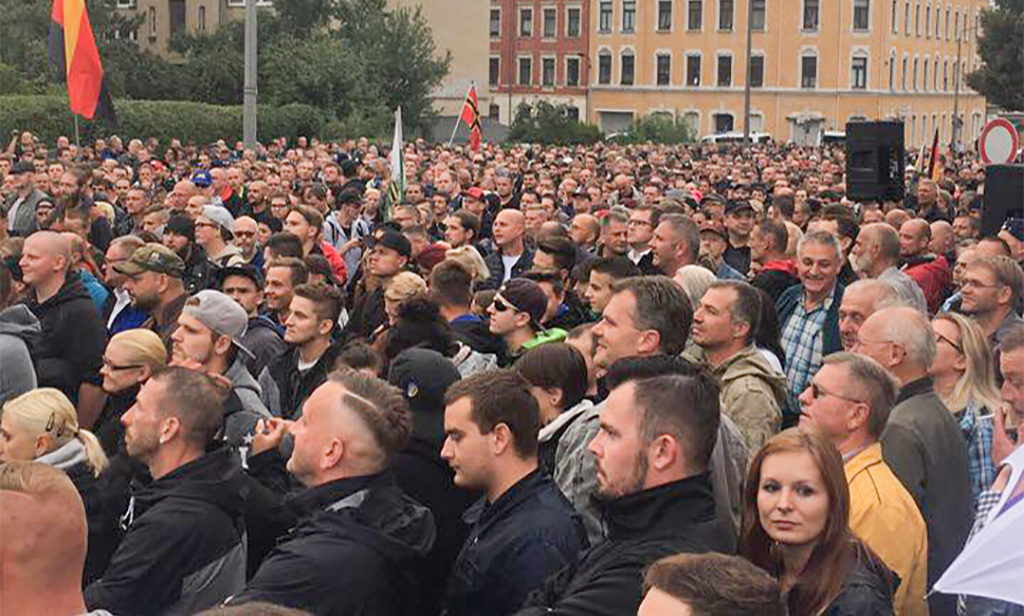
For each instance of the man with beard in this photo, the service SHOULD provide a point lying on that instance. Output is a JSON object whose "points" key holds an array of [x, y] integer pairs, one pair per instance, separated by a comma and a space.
{"points": [[118, 311], [180, 236], [153, 280], [876, 254]]}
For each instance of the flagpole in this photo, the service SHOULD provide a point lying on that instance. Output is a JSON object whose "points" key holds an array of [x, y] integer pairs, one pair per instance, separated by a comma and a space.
{"points": [[77, 142], [458, 119]]}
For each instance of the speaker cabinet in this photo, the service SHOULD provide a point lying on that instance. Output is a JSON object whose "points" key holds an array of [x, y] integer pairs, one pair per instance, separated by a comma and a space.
{"points": [[1004, 197], [875, 160]]}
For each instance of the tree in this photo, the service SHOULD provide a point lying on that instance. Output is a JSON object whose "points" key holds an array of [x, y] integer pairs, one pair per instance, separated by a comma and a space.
{"points": [[658, 128], [550, 124], [1000, 42]]}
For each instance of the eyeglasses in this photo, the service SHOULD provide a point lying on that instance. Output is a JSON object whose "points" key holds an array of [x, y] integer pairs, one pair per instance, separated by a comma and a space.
{"points": [[940, 338], [817, 391], [114, 367]]}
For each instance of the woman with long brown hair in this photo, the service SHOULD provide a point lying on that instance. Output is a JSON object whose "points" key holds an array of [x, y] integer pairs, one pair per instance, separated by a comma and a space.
{"points": [[795, 526]]}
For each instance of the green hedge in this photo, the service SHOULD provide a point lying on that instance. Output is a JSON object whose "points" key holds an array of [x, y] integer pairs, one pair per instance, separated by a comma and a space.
{"points": [[49, 118]]}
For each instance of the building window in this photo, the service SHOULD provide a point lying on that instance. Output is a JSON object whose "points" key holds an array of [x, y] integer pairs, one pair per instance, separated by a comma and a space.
{"points": [[492, 111], [664, 69], [722, 122], [945, 76], [725, 14], [757, 14], [756, 71], [664, 14], [892, 72], [808, 71], [724, 71], [935, 75], [903, 75], [947, 23], [495, 23], [604, 68], [573, 113], [572, 28], [956, 25], [859, 78], [629, 16], [906, 18], [695, 15], [525, 71], [628, 68], [152, 21], [525, 22], [861, 14], [549, 23], [605, 17], [913, 77], [924, 75], [572, 71], [494, 70], [917, 19], [938, 20], [811, 14], [547, 72], [692, 120], [893, 18], [202, 18], [927, 20], [693, 71]]}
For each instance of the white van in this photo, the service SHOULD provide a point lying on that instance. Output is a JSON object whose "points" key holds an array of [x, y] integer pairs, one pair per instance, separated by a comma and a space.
{"points": [[734, 138]]}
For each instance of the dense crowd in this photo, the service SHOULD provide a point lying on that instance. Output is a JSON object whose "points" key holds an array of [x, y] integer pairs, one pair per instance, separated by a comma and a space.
{"points": [[525, 380]]}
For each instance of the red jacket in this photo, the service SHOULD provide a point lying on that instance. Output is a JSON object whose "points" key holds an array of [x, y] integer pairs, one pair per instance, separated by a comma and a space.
{"points": [[337, 263], [933, 275]]}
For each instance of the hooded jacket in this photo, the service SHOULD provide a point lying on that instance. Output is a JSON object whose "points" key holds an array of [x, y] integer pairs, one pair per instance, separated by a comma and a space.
{"points": [[359, 547], [19, 328], [244, 407], [752, 394], [70, 350], [285, 388], [264, 338], [183, 551], [642, 527]]}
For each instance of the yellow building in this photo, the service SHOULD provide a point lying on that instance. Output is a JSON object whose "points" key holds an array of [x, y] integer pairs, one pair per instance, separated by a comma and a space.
{"points": [[816, 64], [162, 19]]}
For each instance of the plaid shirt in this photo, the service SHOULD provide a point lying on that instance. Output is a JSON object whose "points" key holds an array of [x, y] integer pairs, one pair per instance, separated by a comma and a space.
{"points": [[978, 438], [802, 341]]}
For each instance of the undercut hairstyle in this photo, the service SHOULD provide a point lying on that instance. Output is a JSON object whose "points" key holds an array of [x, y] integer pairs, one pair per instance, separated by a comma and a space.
{"points": [[877, 387], [685, 231], [661, 306], [501, 397], [684, 407], [326, 300], [298, 272], [617, 267], [284, 244], [1012, 340], [1006, 272], [561, 249], [775, 233], [196, 400], [451, 284], [468, 220], [747, 306], [716, 585], [556, 365], [381, 406]]}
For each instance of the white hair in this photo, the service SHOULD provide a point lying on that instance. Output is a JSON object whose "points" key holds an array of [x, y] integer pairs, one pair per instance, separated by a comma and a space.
{"points": [[912, 330]]}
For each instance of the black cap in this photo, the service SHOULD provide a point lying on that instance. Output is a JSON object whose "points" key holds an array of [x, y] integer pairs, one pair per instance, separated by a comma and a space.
{"points": [[246, 270], [397, 242], [737, 206], [423, 376], [180, 224], [526, 296]]}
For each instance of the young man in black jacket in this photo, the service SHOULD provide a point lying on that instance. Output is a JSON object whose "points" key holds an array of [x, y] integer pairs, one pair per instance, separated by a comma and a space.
{"points": [[182, 551], [652, 451], [357, 545], [523, 529]]}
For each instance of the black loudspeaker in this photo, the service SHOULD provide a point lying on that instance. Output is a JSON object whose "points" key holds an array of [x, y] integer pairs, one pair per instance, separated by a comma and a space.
{"points": [[875, 160], [1004, 197]]}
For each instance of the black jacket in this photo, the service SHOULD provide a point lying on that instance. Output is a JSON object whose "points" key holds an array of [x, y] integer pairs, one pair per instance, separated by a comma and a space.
{"points": [[475, 333], [359, 547], [497, 268], [284, 388], [183, 550], [642, 527], [866, 591], [526, 535], [70, 350], [774, 281], [366, 316], [199, 271]]}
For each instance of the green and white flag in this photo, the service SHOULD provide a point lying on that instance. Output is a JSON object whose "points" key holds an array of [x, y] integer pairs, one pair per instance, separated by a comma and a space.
{"points": [[396, 184]]}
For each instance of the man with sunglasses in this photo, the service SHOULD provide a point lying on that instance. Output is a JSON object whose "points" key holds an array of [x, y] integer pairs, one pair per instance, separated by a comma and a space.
{"points": [[516, 314], [244, 231], [848, 402], [922, 442]]}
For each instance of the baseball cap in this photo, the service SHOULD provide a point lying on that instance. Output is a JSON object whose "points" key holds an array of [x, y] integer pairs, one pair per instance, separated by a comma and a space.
{"points": [[152, 257], [423, 376], [526, 296], [179, 224], [246, 270], [476, 193], [202, 179], [1016, 228], [219, 215], [221, 314], [737, 206], [713, 226], [395, 241]]}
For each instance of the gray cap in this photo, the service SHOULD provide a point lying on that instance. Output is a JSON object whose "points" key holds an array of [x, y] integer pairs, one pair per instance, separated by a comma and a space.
{"points": [[221, 314], [219, 215]]}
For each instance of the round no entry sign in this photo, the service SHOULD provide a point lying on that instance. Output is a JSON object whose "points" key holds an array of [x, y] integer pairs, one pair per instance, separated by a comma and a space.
{"points": [[999, 142]]}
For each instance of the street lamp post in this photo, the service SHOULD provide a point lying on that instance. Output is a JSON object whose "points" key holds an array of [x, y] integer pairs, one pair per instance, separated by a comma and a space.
{"points": [[249, 85], [746, 85]]}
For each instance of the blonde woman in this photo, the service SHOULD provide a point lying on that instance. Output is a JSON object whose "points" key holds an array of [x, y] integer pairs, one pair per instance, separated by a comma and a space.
{"points": [[131, 357], [42, 425], [469, 257], [401, 288], [965, 380]]}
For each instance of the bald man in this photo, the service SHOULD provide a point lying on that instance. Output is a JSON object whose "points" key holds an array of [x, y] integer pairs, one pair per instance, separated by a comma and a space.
{"points": [[183, 191], [511, 257], [69, 353], [584, 230], [244, 231], [42, 542], [930, 271], [943, 240]]}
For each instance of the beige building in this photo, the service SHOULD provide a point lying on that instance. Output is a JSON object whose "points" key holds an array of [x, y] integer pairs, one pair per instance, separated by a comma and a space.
{"points": [[165, 18], [816, 65]]}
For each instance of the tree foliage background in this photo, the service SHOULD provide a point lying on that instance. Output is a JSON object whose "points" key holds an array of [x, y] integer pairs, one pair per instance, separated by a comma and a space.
{"points": [[1001, 46], [356, 60]]}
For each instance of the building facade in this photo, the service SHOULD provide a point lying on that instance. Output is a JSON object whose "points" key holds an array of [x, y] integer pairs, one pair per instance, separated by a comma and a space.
{"points": [[539, 50], [162, 19], [816, 64]]}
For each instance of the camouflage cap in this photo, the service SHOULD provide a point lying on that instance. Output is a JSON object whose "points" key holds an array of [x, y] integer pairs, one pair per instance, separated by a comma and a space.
{"points": [[152, 257]]}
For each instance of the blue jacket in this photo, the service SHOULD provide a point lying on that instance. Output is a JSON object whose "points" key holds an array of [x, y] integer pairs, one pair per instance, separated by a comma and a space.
{"points": [[831, 341], [530, 530]]}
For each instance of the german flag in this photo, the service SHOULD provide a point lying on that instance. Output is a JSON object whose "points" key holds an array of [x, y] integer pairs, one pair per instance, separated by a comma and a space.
{"points": [[74, 55], [470, 116]]}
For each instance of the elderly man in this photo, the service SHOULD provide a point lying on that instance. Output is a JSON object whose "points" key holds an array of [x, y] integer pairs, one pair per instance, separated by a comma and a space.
{"points": [[675, 243], [244, 232], [848, 402], [876, 254], [931, 272], [860, 300], [922, 442]]}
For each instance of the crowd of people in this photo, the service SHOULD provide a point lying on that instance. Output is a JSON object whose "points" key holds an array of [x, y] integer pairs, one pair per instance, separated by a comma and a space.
{"points": [[601, 380]]}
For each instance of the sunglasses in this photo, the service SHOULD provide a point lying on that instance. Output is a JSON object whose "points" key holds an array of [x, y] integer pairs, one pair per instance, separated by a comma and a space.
{"points": [[500, 305], [817, 391]]}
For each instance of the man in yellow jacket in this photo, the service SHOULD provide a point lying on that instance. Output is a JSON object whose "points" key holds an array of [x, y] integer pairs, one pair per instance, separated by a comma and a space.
{"points": [[848, 401]]}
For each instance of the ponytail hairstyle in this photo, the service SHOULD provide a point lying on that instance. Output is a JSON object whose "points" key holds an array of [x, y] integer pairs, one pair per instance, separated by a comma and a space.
{"points": [[48, 412]]}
